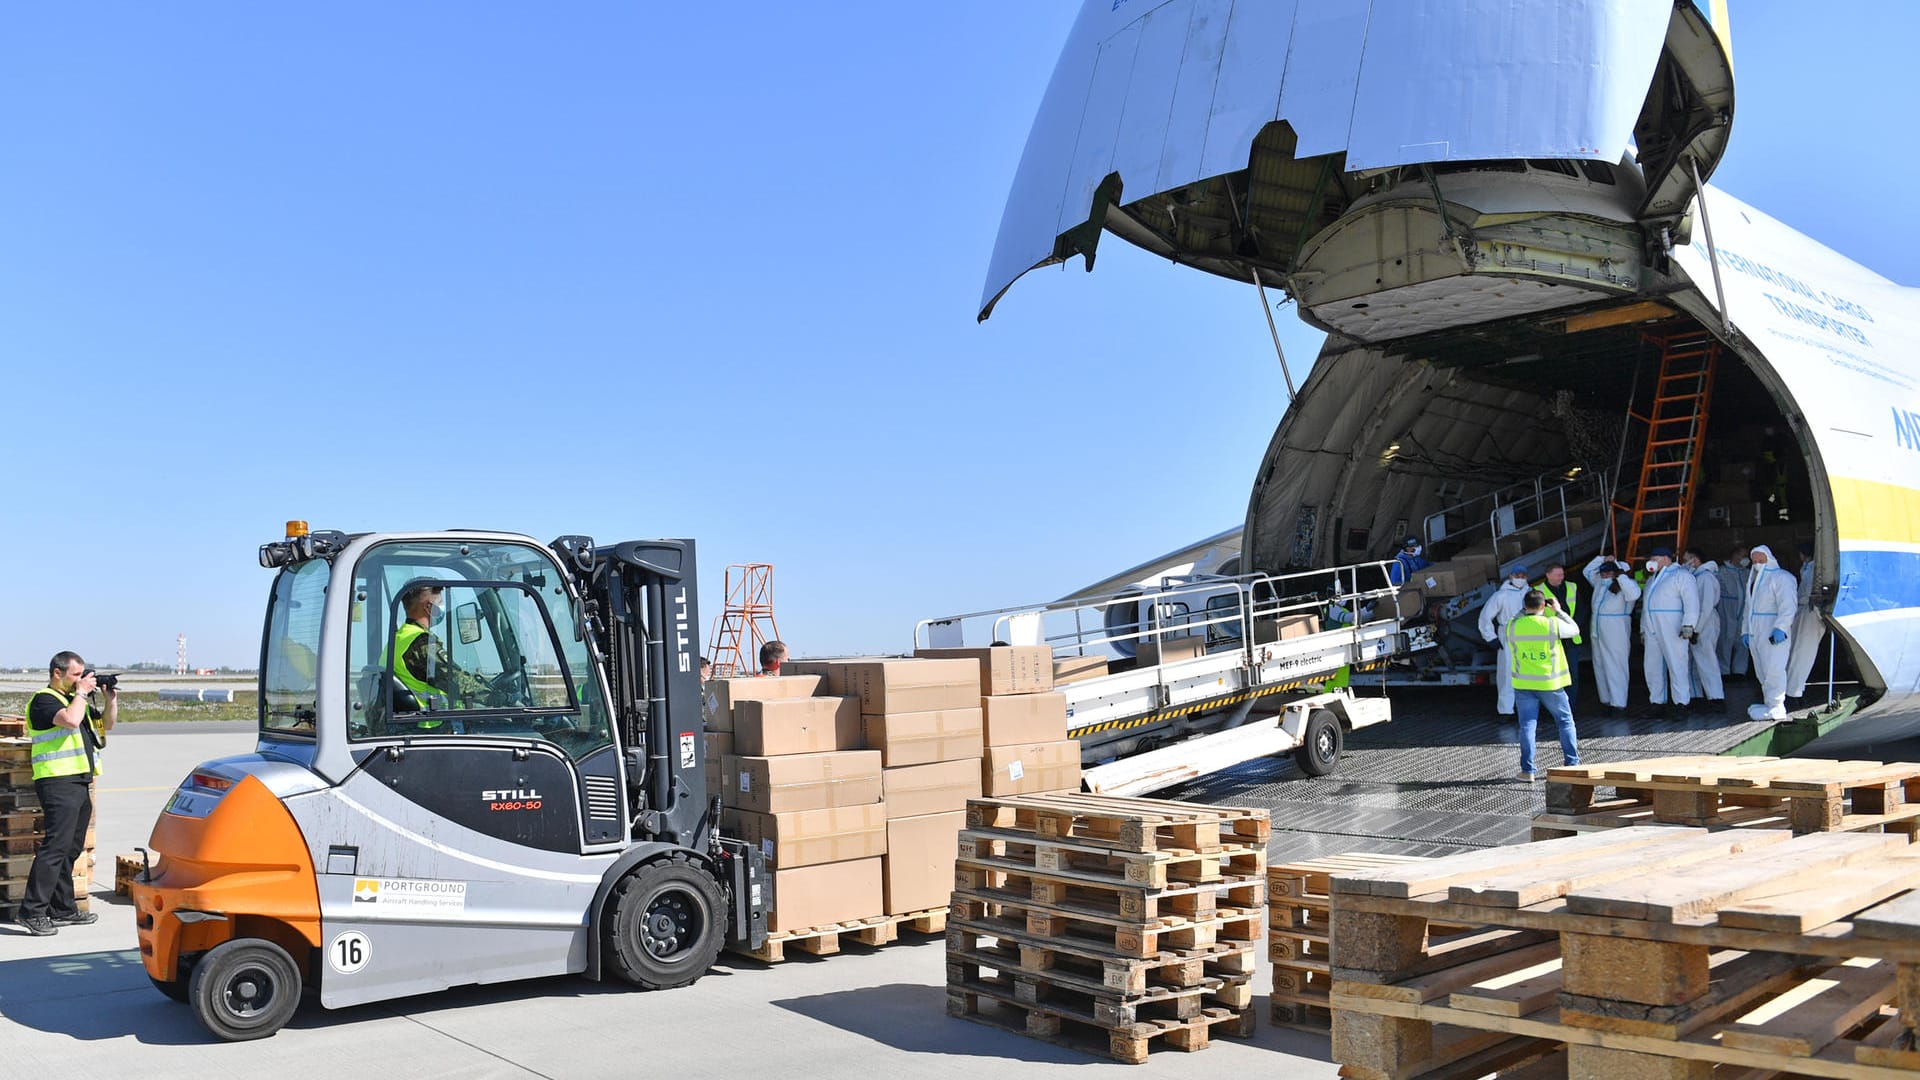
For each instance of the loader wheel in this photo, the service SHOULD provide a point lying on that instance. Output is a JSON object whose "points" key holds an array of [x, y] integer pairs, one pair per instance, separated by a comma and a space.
{"points": [[247, 988], [668, 924], [1321, 750]]}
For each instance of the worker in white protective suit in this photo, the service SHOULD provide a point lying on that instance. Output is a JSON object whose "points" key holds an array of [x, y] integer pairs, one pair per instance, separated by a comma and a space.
{"points": [[1614, 594], [1733, 592], [1765, 621], [1669, 615], [1808, 629], [1704, 652], [1508, 601]]}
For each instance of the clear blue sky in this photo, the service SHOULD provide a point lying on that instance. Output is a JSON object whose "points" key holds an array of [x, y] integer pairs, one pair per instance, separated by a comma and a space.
{"points": [[644, 270]]}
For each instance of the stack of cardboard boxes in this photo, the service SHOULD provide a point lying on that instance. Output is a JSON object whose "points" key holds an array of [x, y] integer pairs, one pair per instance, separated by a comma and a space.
{"points": [[1025, 722], [795, 781]]}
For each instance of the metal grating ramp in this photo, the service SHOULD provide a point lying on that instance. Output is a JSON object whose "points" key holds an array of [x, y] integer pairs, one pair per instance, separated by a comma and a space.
{"points": [[1439, 779]]}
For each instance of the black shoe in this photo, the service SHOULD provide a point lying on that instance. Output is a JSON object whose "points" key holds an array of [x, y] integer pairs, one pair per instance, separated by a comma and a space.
{"points": [[1651, 712], [78, 918], [1618, 712], [40, 927], [1795, 704], [1674, 713]]}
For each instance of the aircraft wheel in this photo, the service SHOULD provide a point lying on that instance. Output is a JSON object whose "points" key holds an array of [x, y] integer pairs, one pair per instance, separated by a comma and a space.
{"points": [[1321, 750], [667, 926], [247, 988]]}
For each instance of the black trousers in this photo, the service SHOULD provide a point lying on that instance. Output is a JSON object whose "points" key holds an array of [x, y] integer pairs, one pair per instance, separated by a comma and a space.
{"points": [[66, 807]]}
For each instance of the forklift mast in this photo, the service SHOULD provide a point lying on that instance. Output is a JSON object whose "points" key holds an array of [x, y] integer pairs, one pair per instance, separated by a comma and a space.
{"points": [[642, 606]]}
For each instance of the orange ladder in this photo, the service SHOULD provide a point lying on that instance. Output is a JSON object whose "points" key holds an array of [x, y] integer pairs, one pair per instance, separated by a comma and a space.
{"points": [[1676, 441], [737, 634]]}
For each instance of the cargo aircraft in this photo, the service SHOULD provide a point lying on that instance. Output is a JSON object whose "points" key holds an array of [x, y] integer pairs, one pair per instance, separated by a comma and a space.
{"points": [[1498, 212]]}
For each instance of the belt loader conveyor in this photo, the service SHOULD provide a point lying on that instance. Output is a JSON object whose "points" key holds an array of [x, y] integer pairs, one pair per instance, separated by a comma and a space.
{"points": [[1258, 696]]}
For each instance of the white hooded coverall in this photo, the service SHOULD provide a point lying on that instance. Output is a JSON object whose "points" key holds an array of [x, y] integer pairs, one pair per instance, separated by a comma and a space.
{"points": [[1733, 593], [1706, 651], [1612, 633], [1770, 606], [1808, 629], [1503, 605], [1672, 601]]}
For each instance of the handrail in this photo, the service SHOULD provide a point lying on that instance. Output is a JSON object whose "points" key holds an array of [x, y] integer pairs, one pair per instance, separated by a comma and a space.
{"points": [[1510, 498], [1255, 597]]}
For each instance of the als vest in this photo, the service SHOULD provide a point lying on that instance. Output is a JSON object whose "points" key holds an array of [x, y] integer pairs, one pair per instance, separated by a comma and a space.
{"points": [[1570, 602], [59, 751], [1538, 661], [403, 641]]}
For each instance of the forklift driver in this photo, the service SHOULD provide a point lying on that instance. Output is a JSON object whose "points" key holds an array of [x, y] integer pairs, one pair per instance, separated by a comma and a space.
{"points": [[423, 665]]}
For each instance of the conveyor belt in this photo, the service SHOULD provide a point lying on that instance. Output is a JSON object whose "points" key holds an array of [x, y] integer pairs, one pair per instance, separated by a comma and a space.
{"points": [[1439, 778]]}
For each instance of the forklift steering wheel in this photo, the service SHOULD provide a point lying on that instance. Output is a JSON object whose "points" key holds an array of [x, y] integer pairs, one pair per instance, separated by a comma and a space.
{"points": [[507, 688]]}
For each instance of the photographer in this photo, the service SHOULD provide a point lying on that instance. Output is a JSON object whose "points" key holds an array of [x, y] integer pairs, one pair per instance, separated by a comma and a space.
{"points": [[67, 731]]}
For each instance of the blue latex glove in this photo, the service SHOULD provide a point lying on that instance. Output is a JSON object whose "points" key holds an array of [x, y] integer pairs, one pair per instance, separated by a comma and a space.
{"points": [[1746, 641], [1777, 636]]}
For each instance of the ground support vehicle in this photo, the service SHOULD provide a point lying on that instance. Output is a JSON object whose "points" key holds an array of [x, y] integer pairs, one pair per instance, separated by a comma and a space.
{"points": [[1189, 690], [545, 814]]}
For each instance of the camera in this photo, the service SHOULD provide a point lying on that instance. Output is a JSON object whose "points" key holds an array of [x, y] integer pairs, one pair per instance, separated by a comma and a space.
{"points": [[103, 682]]}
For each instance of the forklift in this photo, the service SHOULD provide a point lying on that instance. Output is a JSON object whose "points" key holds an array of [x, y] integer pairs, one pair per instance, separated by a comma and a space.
{"points": [[535, 805]]}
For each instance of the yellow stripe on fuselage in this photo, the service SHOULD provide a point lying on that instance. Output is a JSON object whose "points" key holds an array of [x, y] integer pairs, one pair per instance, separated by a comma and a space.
{"points": [[1870, 511]]}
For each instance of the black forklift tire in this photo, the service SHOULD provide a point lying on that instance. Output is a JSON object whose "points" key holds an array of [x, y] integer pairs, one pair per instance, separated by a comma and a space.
{"points": [[247, 988], [667, 921], [173, 988], [1320, 751]]}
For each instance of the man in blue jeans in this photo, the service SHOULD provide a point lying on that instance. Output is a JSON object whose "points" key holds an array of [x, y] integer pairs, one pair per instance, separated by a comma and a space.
{"points": [[1539, 667]]}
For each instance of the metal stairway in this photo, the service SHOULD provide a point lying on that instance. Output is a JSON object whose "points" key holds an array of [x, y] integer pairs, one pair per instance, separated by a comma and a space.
{"points": [[1676, 440]]}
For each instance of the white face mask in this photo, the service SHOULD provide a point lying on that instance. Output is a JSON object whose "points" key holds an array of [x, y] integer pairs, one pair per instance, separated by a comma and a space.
{"points": [[1415, 549], [1519, 581], [1653, 566], [1744, 563]]}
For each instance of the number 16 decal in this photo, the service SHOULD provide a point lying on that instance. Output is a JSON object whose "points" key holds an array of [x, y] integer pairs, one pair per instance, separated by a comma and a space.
{"points": [[349, 952]]}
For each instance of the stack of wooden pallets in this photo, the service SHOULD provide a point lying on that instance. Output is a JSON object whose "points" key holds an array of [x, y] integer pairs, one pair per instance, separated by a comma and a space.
{"points": [[1805, 795], [1121, 920], [1297, 934], [1635, 953], [20, 828]]}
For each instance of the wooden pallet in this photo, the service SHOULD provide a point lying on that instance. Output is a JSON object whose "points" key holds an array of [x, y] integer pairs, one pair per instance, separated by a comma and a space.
{"points": [[1080, 860], [1806, 795], [1125, 936], [1297, 911], [1672, 952], [1006, 948], [826, 940], [12, 726], [1122, 1029], [1131, 825]]}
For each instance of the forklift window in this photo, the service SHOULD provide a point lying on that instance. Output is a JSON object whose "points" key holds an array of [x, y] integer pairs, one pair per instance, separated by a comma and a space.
{"points": [[470, 640], [289, 667]]}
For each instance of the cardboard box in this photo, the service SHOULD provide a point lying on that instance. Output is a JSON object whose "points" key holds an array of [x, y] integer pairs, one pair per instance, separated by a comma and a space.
{"points": [[833, 682], [807, 837], [922, 738], [904, 686], [796, 726], [938, 788], [1284, 628], [1409, 603], [826, 893], [719, 745], [1031, 767], [1025, 718], [1073, 669], [724, 694], [1005, 669], [920, 856], [1169, 650], [774, 785]]}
